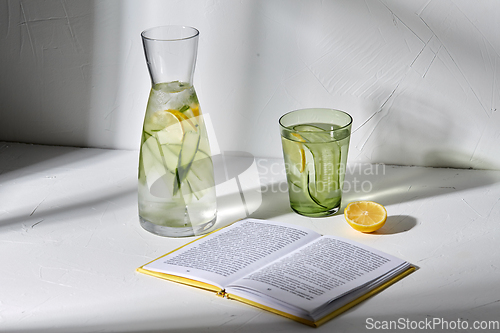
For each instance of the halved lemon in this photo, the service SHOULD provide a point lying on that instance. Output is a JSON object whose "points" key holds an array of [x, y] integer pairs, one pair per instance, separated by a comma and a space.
{"points": [[294, 150], [365, 216]]}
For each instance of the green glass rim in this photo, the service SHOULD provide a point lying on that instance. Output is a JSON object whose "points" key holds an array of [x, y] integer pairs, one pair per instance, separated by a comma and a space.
{"points": [[287, 128]]}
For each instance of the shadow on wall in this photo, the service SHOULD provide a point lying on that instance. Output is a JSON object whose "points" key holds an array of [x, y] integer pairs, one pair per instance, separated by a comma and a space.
{"points": [[46, 66], [431, 137], [440, 100], [61, 65]]}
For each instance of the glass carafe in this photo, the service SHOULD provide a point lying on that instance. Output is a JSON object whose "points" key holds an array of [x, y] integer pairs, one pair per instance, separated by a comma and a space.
{"points": [[176, 180]]}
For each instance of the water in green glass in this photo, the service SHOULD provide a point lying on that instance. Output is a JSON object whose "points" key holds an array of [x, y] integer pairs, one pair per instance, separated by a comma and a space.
{"points": [[315, 159]]}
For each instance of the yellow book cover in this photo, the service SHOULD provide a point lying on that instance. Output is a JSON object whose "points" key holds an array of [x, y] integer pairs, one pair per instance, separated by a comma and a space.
{"points": [[285, 269]]}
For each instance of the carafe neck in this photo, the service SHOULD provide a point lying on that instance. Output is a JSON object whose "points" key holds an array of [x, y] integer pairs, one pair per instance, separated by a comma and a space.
{"points": [[171, 53]]}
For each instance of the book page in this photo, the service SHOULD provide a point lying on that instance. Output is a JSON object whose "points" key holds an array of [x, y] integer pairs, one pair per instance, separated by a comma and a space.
{"points": [[317, 273], [234, 251]]}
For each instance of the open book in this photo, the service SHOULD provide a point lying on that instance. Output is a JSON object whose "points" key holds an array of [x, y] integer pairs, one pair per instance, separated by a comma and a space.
{"points": [[282, 268]]}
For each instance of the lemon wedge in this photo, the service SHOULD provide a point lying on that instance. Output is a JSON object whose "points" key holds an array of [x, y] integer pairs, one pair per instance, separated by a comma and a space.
{"points": [[170, 126], [365, 216], [196, 110], [186, 122], [294, 150]]}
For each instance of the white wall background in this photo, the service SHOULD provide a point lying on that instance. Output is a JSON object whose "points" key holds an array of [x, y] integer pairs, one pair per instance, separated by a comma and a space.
{"points": [[420, 77]]}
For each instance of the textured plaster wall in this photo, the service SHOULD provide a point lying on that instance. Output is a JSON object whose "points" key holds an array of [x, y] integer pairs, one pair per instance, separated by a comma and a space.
{"points": [[420, 78]]}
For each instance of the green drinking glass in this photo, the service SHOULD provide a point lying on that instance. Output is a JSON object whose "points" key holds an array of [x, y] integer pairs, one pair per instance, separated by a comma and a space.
{"points": [[315, 144]]}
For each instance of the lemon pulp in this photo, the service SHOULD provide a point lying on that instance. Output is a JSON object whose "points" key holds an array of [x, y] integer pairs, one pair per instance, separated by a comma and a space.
{"points": [[365, 216]]}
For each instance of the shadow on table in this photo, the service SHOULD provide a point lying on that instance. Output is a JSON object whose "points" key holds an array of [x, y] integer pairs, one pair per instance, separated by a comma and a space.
{"points": [[275, 201], [73, 209], [357, 319], [390, 185], [396, 224], [387, 185], [18, 161], [17, 156]]}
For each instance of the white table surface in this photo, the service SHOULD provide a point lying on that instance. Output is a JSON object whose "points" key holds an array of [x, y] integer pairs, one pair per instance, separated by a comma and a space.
{"points": [[70, 242]]}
